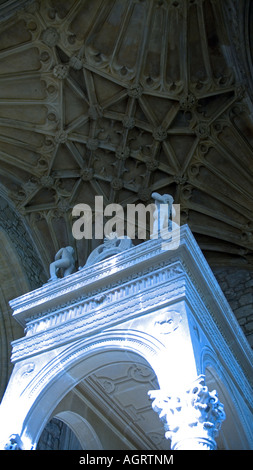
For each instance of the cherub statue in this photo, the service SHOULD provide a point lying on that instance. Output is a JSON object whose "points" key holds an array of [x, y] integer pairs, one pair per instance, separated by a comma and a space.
{"points": [[64, 259], [162, 212]]}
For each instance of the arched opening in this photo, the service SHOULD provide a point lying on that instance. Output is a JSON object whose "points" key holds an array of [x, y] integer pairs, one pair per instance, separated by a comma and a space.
{"points": [[109, 406], [232, 435], [87, 437], [57, 435], [68, 430]]}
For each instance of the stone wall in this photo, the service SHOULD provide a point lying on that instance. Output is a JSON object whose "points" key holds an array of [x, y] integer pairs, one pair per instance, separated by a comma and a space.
{"points": [[237, 285], [58, 436], [13, 226]]}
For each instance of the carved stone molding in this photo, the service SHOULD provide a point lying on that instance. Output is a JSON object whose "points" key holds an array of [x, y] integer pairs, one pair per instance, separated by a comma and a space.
{"points": [[94, 314]]}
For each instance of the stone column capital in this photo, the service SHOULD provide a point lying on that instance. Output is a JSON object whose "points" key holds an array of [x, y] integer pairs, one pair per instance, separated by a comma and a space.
{"points": [[191, 419]]}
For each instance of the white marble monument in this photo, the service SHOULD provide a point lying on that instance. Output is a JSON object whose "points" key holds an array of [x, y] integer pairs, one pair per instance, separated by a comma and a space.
{"points": [[163, 305]]}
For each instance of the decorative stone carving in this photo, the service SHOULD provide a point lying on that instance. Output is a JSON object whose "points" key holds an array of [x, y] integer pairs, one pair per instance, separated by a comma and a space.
{"points": [[141, 374], [47, 181], [186, 192], [191, 420], [27, 369], [188, 102], [117, 184], [112, 245], [86, 174], [167, 321], [107, 384], [61, 137], [122, 153], [135, 91], [61, 71], [14, 443], [160, 134], [202, 130], [76, 63], [128, 122], [162, 212], [50, 36], [151, 164], [92, 144], [64, 259], [180, 179]]}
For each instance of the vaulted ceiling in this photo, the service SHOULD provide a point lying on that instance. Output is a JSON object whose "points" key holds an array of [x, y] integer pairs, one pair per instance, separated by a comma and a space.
{"points": [[121, 98]]}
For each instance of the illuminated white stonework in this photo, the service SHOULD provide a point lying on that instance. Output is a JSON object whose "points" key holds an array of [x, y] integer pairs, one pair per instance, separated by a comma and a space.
{"points": [[192, 420], [163, 305]]}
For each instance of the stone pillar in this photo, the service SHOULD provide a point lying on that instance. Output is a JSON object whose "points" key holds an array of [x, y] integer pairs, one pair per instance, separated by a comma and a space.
{"points": [[192, 419]]}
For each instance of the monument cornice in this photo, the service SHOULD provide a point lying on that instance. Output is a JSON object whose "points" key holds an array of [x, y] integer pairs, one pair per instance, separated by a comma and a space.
{"points": [[124, 287]]}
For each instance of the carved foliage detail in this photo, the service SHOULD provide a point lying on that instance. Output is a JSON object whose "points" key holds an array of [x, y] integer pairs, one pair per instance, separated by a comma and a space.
{"points": [[196, 412]]}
